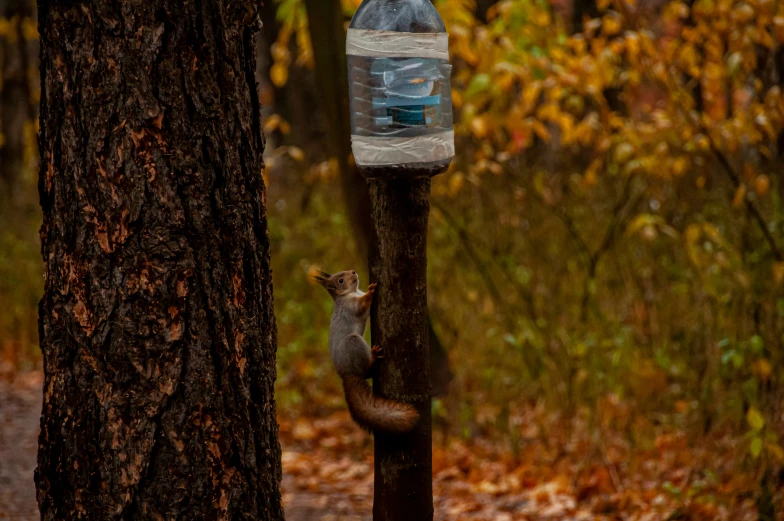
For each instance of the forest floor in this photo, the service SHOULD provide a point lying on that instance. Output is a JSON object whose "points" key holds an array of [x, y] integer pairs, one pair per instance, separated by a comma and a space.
{"points": [[328, 474]]}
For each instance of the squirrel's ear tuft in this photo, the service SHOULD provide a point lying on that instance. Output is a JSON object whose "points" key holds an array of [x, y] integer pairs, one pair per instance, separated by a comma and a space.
{"points": [[321, 277]]}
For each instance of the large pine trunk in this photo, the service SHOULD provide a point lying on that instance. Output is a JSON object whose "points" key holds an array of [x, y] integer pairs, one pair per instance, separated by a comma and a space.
{"points": [[157, 323]]}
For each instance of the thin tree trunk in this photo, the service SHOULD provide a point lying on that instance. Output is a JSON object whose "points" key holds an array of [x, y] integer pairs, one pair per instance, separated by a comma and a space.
{"points": [[328, 36], [16, 100], [157, 324], [398, 263], [581, 9], [482, 7]]}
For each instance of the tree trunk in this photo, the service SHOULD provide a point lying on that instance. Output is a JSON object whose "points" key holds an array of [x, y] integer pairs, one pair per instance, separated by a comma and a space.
{"points": [[581, 9], [328, 37], [398, 318], [482, 7], [157, 324]]}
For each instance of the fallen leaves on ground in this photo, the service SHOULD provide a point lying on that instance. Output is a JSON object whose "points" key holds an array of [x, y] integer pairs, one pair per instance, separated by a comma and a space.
{"points": [[559, 472]]}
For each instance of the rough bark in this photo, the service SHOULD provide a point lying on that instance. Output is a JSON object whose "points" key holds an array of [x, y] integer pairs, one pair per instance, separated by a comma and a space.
{"points": [[156, 324], [403, 464], [328, 36]]}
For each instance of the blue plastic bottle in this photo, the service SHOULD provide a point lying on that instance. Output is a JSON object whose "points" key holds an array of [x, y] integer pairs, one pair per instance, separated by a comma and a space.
{"points": [[399, 84]]}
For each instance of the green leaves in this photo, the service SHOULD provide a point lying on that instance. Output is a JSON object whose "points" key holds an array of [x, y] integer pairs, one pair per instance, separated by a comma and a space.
{"points": [[479, 83], [755, 420]]}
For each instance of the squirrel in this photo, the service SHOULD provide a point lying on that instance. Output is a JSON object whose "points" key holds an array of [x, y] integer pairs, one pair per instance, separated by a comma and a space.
{"points": [[354, 359]]}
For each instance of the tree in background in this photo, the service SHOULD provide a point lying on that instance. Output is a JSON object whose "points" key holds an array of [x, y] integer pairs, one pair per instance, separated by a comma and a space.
{"points": [[17, 104], [157, 324], [20, 273]]}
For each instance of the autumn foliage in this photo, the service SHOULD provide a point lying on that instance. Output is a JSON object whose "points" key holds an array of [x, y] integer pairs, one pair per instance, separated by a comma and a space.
{"points": [[606, 261]]}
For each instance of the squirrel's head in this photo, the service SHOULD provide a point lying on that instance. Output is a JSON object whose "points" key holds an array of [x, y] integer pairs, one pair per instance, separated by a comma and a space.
{"points": [[338, 284]]}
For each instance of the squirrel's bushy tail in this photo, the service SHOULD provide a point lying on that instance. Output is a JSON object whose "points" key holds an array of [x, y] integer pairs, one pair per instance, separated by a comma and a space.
{"points": [[374, 413]]}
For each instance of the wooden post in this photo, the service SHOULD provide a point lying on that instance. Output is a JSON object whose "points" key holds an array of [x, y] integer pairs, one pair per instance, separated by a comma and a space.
{"points": [[398, 263]]}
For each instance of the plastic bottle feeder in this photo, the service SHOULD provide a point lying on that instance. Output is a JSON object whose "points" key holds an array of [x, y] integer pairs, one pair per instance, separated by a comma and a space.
{"points": [[399, 81]]}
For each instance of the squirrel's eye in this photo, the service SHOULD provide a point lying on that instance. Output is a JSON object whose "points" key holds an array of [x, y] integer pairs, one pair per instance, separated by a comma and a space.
{"points": [[341, 281]]}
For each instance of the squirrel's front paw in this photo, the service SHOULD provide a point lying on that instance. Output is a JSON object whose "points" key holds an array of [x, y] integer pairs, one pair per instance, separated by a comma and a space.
{"points": [[372, 287], [378, 351]]}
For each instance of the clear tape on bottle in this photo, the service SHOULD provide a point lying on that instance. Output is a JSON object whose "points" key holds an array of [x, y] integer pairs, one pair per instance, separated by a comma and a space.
{"points": [[401, 104], [392, 44]]}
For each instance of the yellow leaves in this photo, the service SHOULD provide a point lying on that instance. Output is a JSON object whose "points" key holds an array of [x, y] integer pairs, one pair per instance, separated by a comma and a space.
{"points": [[632, 46], [649, 226], [693, 237], [7, 29], [675, 11], [566, 123], [764, 123], [761, 184], [623, 153], [350, 5], [555, 93], [740, 196], [591, 173], [679, 165], [276, 122], [296, 153], [480, 126], [461, 46], [548, 111], [611, 25], [541, 17], [778, 24], [743, 13], [326, 170], [528, 80], [540, 130], [755, 419], [644, 223], [457, 98], [293, 18], [778, 272], [305, 55], [456, 182], [687, 56], [505, 82], [530, 96], [585, 131], [279, 74], [602, 5], [776, 451], [762, 369], [29, 29], [702, 142], [577, 45], [303, 430]]}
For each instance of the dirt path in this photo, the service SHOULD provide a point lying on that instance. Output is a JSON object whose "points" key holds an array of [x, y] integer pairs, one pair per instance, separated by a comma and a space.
{"points": [[20, 408]]}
